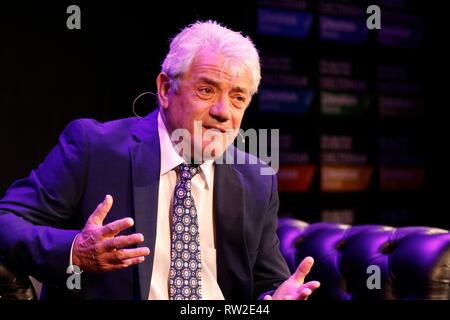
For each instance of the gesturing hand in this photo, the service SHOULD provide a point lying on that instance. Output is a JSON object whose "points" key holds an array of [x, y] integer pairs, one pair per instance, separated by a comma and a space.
{"points": [[97, 248], [294, 287]]}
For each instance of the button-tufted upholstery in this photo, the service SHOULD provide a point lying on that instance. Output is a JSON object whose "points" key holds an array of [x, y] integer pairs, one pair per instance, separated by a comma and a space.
{"points": [[14, 285], [414, 262]]}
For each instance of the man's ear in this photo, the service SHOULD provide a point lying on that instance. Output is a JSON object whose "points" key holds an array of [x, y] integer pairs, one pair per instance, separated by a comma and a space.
{"points": [[163, 86]]}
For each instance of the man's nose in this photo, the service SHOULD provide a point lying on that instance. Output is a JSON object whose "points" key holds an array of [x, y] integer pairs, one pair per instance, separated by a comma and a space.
{"points": [[221, 110]]}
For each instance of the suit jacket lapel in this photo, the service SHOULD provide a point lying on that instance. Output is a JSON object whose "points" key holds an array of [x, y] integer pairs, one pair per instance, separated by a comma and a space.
{"points": [[145, 167], [233, 266]]}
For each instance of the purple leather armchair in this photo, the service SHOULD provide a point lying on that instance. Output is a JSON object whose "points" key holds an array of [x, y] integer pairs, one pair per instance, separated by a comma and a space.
{"points": [[370, 261]]}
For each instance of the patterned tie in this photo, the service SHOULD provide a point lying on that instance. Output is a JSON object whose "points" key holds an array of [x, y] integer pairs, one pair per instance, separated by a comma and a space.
{"points": [[185, 268]]}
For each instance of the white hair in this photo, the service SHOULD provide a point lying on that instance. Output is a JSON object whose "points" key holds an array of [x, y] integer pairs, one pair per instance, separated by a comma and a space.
{"points": [[239, 51]]}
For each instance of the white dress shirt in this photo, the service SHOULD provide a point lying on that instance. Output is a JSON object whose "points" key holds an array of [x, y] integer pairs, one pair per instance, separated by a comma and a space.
{"points": [[202, 191]]}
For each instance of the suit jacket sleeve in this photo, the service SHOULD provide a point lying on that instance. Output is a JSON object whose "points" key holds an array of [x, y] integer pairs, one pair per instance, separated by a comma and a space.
{"points": [[270, 268], [36, 211]]}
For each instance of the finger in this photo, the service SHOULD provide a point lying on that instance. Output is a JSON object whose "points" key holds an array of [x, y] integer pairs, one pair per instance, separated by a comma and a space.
{"points": [[120, 242], [133, 261], [312, 285], [304, 294], [303, 269], [125, 264], [101, 211], [115, 227], [119, 256], [305, 290]]}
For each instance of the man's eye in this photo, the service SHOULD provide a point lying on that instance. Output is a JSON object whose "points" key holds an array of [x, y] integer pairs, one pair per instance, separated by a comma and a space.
{"points": [[206, 90], [240, 99]]}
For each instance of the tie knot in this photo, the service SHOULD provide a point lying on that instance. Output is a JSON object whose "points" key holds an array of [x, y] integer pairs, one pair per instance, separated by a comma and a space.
{"points": [[188, 171]]}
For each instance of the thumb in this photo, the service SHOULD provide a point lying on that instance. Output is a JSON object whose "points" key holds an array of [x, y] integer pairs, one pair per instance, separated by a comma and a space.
{"points": [[303, 269], [101, 211]]}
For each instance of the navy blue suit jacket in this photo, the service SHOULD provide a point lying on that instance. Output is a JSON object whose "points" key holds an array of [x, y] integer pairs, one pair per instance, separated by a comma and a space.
{"points": [[41, 214]]}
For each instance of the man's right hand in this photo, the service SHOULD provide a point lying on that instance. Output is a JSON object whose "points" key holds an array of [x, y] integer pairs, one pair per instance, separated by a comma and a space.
{"points": [[98, 248]]}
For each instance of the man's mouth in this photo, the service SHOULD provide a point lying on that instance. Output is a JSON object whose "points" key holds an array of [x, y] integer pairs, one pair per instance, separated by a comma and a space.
{"points": [[215, 127]]}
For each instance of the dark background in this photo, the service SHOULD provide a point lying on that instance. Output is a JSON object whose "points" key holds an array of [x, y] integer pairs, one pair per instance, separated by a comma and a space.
{"points": [[50, 75]]}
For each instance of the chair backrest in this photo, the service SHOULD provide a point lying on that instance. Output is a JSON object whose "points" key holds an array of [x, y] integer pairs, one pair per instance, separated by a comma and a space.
{"points": [[370, 261], [14, 285]]}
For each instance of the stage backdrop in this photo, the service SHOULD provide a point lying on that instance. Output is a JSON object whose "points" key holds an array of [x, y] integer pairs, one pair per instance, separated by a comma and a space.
{"points": [[359, 110]]}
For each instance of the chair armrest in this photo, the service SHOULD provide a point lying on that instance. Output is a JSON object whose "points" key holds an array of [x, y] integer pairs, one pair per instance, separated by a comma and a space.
{"points": [[14, 285]]}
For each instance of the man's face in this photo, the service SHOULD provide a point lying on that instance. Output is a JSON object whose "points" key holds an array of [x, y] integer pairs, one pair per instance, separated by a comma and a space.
{"points": [[210, 93]]}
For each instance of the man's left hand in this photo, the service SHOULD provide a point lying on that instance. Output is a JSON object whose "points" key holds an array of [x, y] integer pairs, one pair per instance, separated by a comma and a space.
{"points": [[294, 288]]}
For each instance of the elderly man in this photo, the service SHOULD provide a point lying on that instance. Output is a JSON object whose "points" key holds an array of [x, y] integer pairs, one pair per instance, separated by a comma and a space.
{"points": [[179, 228]]}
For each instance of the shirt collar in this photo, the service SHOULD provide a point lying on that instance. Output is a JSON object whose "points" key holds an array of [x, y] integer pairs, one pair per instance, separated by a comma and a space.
{"points": [[170, 159]]}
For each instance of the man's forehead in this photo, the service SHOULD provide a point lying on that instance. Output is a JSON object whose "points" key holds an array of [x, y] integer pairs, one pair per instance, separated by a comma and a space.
{"points": [[218, 68]]}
